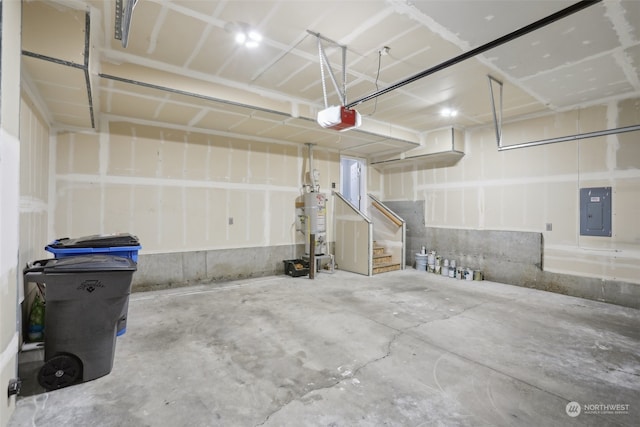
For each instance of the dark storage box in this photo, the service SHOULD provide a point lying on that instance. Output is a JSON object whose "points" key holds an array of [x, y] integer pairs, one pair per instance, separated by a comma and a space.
{"points": [[296, 267]]}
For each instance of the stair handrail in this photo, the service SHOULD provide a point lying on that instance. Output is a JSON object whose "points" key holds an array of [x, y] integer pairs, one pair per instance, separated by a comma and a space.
{"points": [[396, 220], [391, 215], [352, 206]]}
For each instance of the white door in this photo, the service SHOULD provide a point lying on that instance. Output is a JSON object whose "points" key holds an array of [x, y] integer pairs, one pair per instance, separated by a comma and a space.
{"points": [[353, 181]]}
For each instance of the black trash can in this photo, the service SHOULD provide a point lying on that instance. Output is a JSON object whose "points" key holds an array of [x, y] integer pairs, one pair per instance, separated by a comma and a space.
{"points": [[85, 296], [118, 244]]}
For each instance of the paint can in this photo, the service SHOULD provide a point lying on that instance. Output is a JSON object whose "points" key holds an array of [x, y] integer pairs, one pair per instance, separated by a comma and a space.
{"points": [[437, 269], [421, 262], [459, 272], [431, 261], [477, 275], [444, 270], [469, 274], [452, 272]]}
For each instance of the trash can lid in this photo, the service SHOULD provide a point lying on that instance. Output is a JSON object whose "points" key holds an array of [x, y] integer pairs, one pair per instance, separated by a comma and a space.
{"points": [[89, 263], [96, 241]]}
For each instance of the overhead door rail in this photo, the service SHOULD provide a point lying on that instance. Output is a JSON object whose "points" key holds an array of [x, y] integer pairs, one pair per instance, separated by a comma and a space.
{"points": [[481, 49]]}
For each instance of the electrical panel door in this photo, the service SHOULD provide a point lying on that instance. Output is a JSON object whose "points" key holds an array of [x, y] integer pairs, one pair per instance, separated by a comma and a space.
{"points": [[595, 211]]}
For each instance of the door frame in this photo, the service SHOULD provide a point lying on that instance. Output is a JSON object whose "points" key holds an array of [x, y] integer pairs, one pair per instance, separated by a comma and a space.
{"points": [[363, 178]]}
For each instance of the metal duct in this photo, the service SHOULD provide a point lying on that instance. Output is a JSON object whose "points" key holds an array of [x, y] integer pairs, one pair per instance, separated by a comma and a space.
{"points": [[473, 52]]}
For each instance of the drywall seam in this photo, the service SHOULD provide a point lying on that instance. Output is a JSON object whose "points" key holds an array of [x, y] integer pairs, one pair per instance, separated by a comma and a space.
{"points": [[103, 167], [267, 207], [52, 200], [247, 217], [621, 249], [404, 7], [183, 190], [150, 123], [617, 175], [185, 214], [227, 207], [160, 104], [160, 188], [616, 14], [207, 195], [612, 140], [153, 41]]}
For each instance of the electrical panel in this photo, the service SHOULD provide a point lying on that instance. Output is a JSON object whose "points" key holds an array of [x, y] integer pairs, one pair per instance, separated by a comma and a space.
{"points": [[595, 211]]}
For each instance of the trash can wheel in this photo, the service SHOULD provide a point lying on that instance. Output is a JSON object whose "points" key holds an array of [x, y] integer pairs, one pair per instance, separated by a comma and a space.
{"points": [[59, 371]]}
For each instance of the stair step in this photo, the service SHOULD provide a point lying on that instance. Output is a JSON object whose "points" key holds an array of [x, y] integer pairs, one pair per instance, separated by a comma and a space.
{"points": [[383, 268], [381, 259], [378, 250]]}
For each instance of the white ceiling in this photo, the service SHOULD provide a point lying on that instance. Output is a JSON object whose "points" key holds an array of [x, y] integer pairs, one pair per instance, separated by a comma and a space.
{"points": [[182, 68]]}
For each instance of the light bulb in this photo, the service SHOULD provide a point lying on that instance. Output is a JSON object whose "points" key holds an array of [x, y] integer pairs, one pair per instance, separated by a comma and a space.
{"points": [[241, 37]]}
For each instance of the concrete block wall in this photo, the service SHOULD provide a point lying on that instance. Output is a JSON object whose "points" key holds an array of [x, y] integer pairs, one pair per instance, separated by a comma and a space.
{"points": [[522, 191], [159, 271], [513, 257]]}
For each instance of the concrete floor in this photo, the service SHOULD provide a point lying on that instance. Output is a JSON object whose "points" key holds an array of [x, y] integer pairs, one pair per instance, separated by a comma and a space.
{"points": [[405, 348]]}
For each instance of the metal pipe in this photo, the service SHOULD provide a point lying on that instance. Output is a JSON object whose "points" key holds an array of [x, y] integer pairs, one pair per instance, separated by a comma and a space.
{"points": [[312, 256], [313, 180], [595, 134], [344, 75], [497, 124], [87, 77], [480, 49], [324, 84]]}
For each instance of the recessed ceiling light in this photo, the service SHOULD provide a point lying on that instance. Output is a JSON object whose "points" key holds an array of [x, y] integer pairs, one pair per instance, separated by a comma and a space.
{"points": [[448, 112], [241, 37], [244, 34]]}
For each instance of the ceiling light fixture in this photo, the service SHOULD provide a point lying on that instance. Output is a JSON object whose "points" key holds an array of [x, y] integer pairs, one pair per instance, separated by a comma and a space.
{"points": [[448, 112], [244, 35]]}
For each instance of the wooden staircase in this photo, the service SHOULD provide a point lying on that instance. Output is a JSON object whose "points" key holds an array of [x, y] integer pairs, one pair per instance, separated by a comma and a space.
{"points": [[382, 262]]}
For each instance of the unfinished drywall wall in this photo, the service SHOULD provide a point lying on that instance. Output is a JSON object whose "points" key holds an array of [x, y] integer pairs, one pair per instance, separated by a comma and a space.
{"points": [[180, 191], [9, 197], [354, 245], [531, 189], [34, 181], [34, 195]]}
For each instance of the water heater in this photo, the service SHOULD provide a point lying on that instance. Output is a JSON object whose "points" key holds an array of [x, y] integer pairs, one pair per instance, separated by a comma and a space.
{"points": [[315, 211]]}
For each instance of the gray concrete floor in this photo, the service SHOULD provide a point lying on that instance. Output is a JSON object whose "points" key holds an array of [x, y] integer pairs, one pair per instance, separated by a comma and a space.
{"points": [[405, 348]]}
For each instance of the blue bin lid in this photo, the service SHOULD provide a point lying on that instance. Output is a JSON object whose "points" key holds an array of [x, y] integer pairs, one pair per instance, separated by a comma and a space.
{"points": [[96, 241]]}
